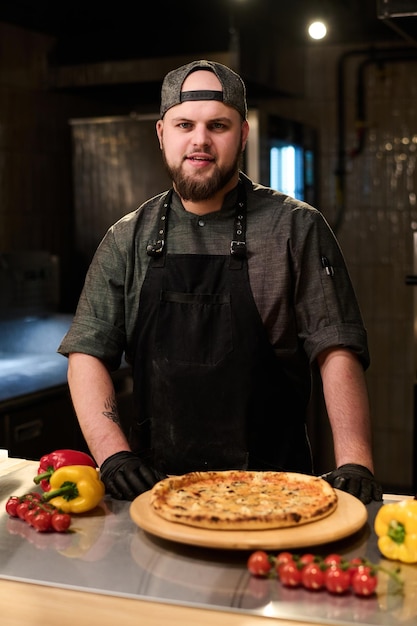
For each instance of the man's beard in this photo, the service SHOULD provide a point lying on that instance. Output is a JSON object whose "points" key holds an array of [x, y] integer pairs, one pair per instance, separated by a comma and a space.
{"points": [[196, 190]]}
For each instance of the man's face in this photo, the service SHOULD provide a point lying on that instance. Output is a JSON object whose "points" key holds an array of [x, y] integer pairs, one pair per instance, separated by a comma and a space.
{"points": [[202, 142]]}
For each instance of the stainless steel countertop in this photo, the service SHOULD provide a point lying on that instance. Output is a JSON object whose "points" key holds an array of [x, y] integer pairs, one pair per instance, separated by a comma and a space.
{"points": [[107, 553]]}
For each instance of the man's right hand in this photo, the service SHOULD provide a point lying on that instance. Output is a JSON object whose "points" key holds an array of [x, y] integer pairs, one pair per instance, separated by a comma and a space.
{"points": [[126, 476]]}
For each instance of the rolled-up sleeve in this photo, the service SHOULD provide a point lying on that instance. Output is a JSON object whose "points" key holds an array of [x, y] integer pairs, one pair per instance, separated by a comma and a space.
{"points": [[327, 309], [98, 327]]}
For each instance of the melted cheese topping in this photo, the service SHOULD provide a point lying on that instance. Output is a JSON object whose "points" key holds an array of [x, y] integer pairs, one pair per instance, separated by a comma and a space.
{"points": [[239, 499]]}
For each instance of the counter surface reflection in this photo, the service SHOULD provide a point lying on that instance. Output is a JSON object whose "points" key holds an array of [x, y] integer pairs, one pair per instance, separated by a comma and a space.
{"points": [[108, 554]]}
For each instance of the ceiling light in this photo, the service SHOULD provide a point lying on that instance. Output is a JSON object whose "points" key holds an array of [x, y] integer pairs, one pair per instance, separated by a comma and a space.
{"points": [[317, 30]]}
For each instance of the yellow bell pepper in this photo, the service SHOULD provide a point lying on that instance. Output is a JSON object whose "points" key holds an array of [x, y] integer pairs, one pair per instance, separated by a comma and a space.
{"points": [[396, 527], [75, 489]]}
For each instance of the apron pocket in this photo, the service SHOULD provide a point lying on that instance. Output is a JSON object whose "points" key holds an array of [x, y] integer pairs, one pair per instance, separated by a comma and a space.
{"points": [[194, 328]]}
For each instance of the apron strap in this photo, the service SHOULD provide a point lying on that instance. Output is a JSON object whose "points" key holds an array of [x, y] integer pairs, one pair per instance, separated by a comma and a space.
{"points": [[156, 247], [238, 243]]}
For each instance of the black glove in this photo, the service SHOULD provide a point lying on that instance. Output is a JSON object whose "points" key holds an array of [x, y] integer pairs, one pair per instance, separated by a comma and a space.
{"points": [[357, 480], [125, 476]]}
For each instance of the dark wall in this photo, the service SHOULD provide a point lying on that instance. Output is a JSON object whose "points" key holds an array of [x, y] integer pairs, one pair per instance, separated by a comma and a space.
{"points": [[36, 168]]}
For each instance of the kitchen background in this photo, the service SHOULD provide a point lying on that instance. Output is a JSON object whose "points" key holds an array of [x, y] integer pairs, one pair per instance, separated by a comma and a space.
{"points": [[79, 95]]}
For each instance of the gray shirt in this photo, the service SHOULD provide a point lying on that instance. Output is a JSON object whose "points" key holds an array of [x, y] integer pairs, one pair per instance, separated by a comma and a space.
{"points": [[297, 273]]}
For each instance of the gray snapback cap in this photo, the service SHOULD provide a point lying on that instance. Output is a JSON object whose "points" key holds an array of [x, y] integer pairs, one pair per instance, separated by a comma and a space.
{"points": [[233, 94]]}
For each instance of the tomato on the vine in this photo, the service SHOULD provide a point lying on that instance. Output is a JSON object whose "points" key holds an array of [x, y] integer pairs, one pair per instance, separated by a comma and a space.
{"points": [[334, 572], [33, 495], [312, 576], [306, 558], [358, 569], [21, 509], [11, 505], [354, 564], [42, 521], [290, 574], [60, 521], [333, 559], [281, 559], [364, 582], [39, 514], [259, 563], [31, 513], [336, 579]]}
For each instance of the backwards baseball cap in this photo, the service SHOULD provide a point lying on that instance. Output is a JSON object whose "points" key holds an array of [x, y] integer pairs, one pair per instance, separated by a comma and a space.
{"points": [[233, 88]]}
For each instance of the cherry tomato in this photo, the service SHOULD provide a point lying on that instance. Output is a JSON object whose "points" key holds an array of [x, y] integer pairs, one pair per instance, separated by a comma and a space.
{"points": [[42, 521], [31, 513], [11, 505], [332, 559], [354, 564], [60, 521], [312, 576], [364, 582], [281, 559], [259, 564], [336, 579], [290, 574], [306, 558], [358, 567], [33, 495], [22, 508]]}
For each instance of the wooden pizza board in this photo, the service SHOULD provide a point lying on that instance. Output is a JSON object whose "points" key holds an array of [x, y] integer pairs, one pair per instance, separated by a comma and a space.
{"points": [[350, 515]]}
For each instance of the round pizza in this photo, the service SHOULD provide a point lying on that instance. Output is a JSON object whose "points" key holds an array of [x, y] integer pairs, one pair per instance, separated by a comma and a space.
{"points": [[243, 500]]}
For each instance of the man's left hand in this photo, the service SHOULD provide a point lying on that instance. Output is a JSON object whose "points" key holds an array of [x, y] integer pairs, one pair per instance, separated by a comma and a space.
{"points": [[357, 480]]}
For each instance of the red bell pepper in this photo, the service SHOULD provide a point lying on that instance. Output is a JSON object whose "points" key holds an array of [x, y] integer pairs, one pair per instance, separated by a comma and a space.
{"points": [[59, 458]]}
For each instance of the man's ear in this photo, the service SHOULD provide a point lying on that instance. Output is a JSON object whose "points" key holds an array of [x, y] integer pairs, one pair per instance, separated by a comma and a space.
{"points": [[244, 133], [159, 131]]}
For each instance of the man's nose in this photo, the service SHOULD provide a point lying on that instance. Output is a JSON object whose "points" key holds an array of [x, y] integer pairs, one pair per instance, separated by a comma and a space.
{"points": [[201, 135]]}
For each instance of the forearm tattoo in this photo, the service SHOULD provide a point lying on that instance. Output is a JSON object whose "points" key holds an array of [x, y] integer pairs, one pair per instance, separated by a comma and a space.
{"points": [[111, 411]]}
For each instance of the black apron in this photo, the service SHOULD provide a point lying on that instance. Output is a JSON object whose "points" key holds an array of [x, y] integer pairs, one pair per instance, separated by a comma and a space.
{"points": [[209, 392]]}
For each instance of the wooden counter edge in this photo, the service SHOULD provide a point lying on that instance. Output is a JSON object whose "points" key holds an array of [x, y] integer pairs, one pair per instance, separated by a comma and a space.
{"points": [[30, 604]]}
